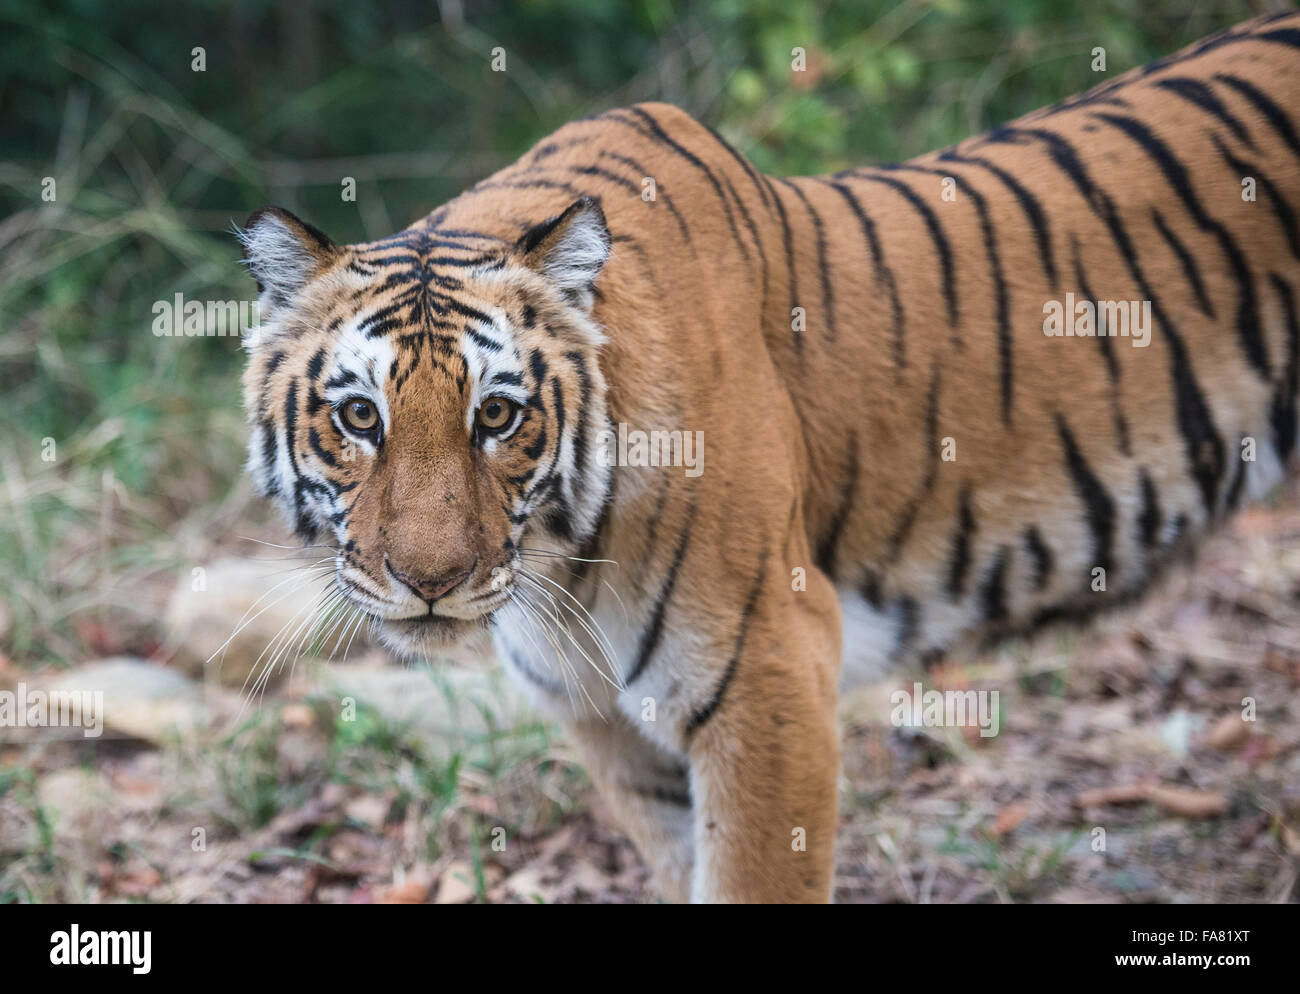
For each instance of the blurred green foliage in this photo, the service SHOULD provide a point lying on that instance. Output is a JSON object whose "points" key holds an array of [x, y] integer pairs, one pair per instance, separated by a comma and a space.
{"points": [[153, 162]]}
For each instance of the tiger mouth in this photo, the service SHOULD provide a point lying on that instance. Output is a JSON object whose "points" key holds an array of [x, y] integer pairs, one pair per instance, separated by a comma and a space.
{"points": [[416, 637]]}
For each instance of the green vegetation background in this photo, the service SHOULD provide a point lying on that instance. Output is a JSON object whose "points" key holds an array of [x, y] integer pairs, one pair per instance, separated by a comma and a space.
{"points": [[154, 161]]}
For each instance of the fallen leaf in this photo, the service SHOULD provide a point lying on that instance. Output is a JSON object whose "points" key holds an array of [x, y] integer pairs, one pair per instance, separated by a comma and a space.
{"points": [[1189, 803], [297, 716], [456, 885], [1228, 732], [411, 891], [139, 882], [1290, 838], [1009, 819], [1133, 793]]}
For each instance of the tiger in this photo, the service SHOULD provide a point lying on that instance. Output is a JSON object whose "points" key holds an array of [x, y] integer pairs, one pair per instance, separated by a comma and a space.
{"points": [[891, 412]]}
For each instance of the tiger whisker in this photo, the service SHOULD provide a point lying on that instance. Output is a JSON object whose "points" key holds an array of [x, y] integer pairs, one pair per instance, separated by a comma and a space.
{"points": [[305, 580], [598, 634], [563, 628]]}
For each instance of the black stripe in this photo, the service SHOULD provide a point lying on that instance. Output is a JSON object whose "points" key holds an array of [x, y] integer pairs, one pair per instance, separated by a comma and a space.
{"points": [[482, 340], [653, 632], [937, 236], [275, 361], [580, 433], [758, 244], [1041, 556], [1281, 209], [1238, 480], [909, 623], [315, 364], [1196, 92], [1287, 36], [993, 592], [1190, 269], [313, 439], [883, 273], [791, 272], [1274, 114], [1028, 203], [270, 447], [1097, 503], [1150, 519], [652, 130], [831, 540], [1248, 330], [646, 261], [823, 266], [959, 561], [703, 714], [660, 195], [1282, 415], [744, 164], [1006, 368], [930, 445], [535, 449], [1201, 440], [1107, 348], [664, 795]]}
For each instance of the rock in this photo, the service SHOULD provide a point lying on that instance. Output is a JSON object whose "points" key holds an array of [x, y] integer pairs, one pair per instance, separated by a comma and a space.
{"points": [[446, 706], [73, 799], [1176, 731], [219, 630], [140, 699]]}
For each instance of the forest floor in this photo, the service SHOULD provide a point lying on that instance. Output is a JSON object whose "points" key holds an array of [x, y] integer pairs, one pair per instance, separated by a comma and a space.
{"points": [[1123, 770]]}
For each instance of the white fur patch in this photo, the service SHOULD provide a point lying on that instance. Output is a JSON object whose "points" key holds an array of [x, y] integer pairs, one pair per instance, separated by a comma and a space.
{"points": [[574, 260], [278, 260]]}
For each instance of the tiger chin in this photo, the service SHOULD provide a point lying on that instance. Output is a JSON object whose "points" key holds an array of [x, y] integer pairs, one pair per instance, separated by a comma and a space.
{"points": [[903, 458]]}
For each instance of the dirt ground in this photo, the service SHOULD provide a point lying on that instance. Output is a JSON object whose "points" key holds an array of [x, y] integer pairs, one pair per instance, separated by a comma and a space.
{"points": [[1123, 771]]}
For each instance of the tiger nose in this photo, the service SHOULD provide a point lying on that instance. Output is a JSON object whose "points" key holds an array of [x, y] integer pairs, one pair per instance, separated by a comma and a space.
{"points": [[432, 589]]}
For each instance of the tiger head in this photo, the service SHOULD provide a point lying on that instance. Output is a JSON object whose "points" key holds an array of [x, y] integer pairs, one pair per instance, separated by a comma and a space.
{"points": [[427, 405]]}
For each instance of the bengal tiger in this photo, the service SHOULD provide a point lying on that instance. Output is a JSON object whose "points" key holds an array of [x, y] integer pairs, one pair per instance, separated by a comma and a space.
{"points": [[907, 432]]}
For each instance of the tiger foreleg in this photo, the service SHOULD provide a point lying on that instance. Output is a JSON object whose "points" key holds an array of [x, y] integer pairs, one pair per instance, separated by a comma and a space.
{"points": [[649, 794], [765, 759]]}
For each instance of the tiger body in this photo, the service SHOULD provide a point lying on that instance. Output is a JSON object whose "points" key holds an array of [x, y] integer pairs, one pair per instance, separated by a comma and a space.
{"points": [[894, 447]]}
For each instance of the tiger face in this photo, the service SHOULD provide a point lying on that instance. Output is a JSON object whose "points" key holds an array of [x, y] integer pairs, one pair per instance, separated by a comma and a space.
{"points": [[426, 403]]}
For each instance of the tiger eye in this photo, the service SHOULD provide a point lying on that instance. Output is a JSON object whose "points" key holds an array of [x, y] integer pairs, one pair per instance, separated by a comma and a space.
{"points": [[359, 414], [495, 413]]}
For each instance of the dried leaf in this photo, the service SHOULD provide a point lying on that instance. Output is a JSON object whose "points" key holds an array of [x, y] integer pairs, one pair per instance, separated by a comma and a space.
{"points": [[1008, 819], [1121, 794], [1188, 803], [1228, 732]]}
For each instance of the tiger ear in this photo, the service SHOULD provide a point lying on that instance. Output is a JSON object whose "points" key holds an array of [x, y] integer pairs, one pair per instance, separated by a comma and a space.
{"points": [[570, 248], [282, 252]]}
